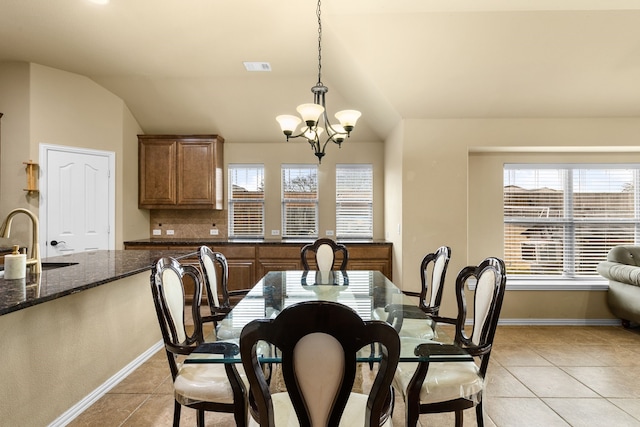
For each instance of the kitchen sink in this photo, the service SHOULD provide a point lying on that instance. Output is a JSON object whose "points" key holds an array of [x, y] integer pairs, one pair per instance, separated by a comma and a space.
{"points": [[54, 265]]}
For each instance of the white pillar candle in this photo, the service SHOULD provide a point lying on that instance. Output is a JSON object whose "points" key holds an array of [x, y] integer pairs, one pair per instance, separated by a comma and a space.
{"points": [[15, 265]]}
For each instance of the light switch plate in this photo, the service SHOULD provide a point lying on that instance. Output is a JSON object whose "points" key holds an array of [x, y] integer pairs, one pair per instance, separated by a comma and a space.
{"points": [[157, 232], [328, 233], [213, 232], [170, 233], [275, 232]]}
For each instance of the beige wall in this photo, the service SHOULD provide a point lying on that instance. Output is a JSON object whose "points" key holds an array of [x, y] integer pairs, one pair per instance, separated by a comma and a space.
{"points": [[445, 204], [393, 206], [70, 110], [95, 334], [135, 222], [299, 152], [14, 143]]}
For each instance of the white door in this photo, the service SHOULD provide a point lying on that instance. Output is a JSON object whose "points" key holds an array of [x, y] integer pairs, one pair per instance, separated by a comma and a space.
{"points": [[77, 200]]}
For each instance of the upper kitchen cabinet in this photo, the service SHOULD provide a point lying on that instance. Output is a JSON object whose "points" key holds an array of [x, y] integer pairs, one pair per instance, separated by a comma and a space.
{"points": [[180, 172]]}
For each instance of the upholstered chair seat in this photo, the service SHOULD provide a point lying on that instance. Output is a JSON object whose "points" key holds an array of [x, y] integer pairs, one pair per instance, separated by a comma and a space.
{"points": [[354, 412], [445, 381], [205, 383], [417, 328]]}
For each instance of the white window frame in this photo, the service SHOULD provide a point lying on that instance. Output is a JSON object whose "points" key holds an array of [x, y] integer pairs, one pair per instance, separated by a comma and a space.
{"points": [[568, 280], [250, 182], [354, 201], [288, 224]]}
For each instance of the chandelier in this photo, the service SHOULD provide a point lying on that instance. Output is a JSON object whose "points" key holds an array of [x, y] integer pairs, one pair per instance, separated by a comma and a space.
{"points": [[315, 114]]}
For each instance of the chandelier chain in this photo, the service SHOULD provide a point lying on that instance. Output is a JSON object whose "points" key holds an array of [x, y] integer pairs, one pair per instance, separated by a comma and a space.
{"points": [[319, 45]]}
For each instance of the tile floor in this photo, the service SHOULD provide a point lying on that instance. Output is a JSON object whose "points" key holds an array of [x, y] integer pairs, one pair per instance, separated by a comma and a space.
{"points": [[539, 376]]}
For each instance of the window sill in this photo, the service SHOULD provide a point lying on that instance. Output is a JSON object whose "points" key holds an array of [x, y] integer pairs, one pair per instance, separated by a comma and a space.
{"points": [[535, 284]]}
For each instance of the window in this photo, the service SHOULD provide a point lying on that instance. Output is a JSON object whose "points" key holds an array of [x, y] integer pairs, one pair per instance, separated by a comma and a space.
{"points": [[561, 220], [299, 200], [246, 200], [354, 201]]}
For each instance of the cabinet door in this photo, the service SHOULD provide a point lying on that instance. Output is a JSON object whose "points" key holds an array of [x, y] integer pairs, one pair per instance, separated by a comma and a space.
{"points": [[267, 265], [241, 274], [278, 258], [196, 173], [157, 173], [241, 260], [380, 265]]}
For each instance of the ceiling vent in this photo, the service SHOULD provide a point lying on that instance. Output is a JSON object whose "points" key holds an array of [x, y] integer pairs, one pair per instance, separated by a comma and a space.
{"points": [[257, 66]]}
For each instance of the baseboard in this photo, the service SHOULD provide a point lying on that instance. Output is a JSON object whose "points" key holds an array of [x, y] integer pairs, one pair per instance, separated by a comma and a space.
{"points": [[560, 322], [104, 388]]}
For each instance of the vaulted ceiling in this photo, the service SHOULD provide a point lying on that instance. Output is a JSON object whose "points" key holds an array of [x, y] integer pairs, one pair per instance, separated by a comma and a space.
{"points": [[178, 64]]}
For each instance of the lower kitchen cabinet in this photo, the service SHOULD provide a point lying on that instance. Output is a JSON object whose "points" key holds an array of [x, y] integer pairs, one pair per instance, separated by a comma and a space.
{"points": [[249, 262]]}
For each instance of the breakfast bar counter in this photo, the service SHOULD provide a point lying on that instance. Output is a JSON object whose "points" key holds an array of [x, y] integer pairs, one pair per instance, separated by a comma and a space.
{"points": [[70, 274], [72, 332]]}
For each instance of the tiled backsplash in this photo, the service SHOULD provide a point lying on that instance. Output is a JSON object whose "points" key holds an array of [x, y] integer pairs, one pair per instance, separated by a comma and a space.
{"points": [[188, 223]]}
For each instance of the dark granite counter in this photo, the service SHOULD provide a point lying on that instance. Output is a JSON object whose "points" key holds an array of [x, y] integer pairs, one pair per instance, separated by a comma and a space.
{"points": [[221, 242], [92, 269]]}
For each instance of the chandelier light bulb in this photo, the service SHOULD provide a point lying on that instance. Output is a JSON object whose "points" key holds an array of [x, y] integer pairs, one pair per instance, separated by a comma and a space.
{"points": [[348, 118], [288, 123], [313, 134], [339, 133], [310, 113]]}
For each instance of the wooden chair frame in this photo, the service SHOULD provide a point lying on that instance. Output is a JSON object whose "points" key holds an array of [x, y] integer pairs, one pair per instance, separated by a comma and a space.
{"points": [[480, 349], [218, 309], [339, 321], [175, 346], [427, 279]]}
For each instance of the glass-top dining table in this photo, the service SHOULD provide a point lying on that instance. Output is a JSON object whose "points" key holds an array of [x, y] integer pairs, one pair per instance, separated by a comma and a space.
{"points": [[369, 293]]}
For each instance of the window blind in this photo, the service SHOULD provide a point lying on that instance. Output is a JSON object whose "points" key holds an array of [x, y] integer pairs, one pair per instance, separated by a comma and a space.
{"points": [[299, 200], [354, 201], [246, 200], [561, 220]]}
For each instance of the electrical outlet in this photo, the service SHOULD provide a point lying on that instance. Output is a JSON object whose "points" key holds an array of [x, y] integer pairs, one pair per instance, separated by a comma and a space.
{"points": [[157, 232], [275, 232], [329, 233], [213, 232], [170, 233]]}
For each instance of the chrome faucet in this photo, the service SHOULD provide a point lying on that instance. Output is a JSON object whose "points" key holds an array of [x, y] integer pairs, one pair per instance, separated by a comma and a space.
{"points": [[5, 231]]}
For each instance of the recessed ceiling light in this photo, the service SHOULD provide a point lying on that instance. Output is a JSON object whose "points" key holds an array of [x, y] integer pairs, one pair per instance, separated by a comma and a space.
{"points": [[257, 66]]}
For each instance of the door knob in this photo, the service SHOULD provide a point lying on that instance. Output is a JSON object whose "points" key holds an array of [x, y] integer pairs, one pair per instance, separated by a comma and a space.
{"points": [[55, 242]]}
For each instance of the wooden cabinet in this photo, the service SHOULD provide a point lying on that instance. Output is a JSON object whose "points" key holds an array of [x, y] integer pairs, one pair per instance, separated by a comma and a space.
{"points": [[242, 265], [180, 172], [278, 258], [249, 262], [370, 258]]}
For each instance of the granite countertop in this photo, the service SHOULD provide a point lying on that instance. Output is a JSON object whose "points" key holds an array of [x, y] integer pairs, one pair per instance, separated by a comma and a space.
{"points": [[92, 269], [221, 241]]}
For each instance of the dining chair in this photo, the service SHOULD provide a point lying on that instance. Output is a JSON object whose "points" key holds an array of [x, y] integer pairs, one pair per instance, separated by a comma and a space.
{"points": [[324, 252], [411, 323], [455, 386], [318, 341], [216, 387], [215, 270]]}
